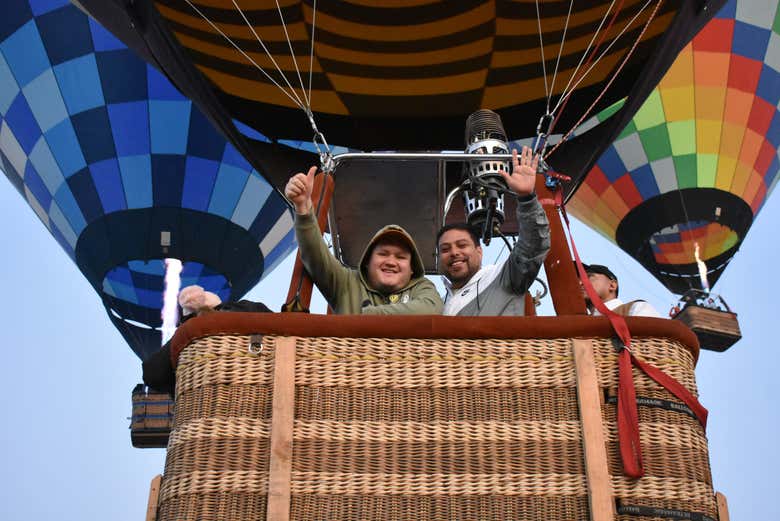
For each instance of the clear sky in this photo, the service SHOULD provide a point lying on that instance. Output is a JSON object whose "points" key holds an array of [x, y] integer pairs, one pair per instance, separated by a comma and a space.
{"points": [[67, 374]]}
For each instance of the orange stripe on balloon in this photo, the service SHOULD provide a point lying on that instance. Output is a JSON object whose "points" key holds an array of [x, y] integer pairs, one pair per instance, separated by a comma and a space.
{"points": [[680, 74], [711, 69], [751, 150], [752, 188], [738, 105], [710, 103], [758, 199], [598, 180], [615, 202]]}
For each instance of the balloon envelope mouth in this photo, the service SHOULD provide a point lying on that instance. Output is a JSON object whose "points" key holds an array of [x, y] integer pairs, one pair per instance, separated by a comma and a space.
{"points": [[141, 283], [676, 244]]}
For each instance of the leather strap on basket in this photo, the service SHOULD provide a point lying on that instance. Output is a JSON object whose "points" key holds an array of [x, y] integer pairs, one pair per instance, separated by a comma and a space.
{"points": [[627, 415]]}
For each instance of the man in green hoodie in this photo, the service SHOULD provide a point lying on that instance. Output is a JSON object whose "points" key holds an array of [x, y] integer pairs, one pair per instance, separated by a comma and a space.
{"points": [[390, 279]]}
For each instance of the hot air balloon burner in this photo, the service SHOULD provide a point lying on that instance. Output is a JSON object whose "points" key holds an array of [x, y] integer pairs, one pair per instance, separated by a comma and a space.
{"points": [[484, 187]]}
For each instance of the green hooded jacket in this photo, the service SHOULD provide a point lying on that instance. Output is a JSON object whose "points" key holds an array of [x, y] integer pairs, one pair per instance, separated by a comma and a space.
{"points": [[346, 289]]}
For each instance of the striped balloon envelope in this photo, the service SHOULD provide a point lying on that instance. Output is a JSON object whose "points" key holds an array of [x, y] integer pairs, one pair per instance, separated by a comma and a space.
{"points": [[405, 75], [700, 157], [124, 171]]}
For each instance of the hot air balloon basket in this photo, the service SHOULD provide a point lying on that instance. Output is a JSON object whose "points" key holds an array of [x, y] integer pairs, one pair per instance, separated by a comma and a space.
{"points": [[716, 329], [152, 417], [384, 428]]}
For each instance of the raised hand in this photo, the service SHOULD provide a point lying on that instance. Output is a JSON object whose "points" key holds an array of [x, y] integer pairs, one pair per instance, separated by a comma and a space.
{"points": [[522, 180], [299, 189]]}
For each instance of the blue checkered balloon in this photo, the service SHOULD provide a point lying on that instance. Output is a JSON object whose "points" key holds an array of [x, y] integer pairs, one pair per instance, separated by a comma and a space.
{"points": [[113, 159]]}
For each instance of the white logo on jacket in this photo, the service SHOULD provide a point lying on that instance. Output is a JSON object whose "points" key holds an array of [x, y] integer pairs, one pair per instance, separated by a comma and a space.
{"points": [[455, 300]]}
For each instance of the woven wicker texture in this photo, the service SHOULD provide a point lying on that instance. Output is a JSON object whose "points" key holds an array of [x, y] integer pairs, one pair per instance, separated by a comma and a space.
{"points": [[420, 429]]}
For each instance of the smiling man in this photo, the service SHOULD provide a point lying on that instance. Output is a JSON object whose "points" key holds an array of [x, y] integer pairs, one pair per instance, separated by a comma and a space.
{"points": [[391, 276], [476, 290]]}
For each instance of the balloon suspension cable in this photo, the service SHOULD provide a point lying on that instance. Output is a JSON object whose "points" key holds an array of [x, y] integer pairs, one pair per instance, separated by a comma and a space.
{"points": [[587, 56], [327, 164], [543, 132], [547, 92], [560, 52], [294, 96], [292, 54], [614, 76], [311, 46]]}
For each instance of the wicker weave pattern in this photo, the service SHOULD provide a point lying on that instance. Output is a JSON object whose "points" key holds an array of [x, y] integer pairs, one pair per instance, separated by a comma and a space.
{"points": [[420, 429], [422, 405]]}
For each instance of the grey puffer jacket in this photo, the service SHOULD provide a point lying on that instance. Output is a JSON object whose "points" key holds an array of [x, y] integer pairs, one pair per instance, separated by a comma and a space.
{"points": [[499, 289]]}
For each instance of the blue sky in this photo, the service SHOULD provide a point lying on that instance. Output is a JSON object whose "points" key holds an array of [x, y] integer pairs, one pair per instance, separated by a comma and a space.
{"points": [[67, 374]]}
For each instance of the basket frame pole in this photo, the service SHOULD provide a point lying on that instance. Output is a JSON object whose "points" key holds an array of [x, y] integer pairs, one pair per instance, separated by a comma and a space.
{"points": [[723, 507], [154, 498], [280, 464], [600, 494]]}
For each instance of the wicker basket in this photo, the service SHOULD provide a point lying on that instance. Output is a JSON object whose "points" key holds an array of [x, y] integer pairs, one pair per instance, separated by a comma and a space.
{"points": [[152, 418], [420, 428], [716, 330]]}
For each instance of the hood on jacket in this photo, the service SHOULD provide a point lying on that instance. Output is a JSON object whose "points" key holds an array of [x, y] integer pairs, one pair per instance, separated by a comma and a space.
{"points": [[395, 232]]}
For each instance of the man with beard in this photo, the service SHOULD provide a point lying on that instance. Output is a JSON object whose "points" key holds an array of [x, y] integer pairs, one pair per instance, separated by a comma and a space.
{"points": [[476, 290]]}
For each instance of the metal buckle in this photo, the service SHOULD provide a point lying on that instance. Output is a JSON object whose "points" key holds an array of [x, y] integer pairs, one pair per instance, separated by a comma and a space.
{"points": [[255, 344]]}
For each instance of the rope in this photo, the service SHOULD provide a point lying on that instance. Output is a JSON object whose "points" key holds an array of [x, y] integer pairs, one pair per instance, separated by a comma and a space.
{"points": [[311, 48], [541, 48], [566, 94], [295, 99], [614, 76], [305, 104], [588, 53], [560, 51], [612, 43], [292, 54], [270, 56]]}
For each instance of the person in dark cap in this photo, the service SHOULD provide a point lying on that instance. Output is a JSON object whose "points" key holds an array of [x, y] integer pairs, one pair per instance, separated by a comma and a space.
{"points": [[605, 284]]}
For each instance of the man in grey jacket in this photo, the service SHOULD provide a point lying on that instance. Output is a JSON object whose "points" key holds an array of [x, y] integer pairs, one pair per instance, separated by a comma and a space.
{"points": [[476, 290]]}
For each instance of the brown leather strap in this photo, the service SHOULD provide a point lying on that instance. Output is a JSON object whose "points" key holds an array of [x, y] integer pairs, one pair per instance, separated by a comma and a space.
{"points": [[625, 309]]}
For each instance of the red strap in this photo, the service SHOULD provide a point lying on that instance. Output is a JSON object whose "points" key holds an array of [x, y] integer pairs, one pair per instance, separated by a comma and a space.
{"points": [[627, 414], [628, 419], [674, 387]]}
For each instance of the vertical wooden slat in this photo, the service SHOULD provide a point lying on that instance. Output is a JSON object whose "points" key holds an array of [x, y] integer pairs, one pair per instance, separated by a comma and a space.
{"points": [[602, 503], [154, 495], [723, 507], [280, 467]]}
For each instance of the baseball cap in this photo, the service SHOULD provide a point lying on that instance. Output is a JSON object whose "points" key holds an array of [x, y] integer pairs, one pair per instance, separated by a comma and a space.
{"points": [[600, 269]]}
